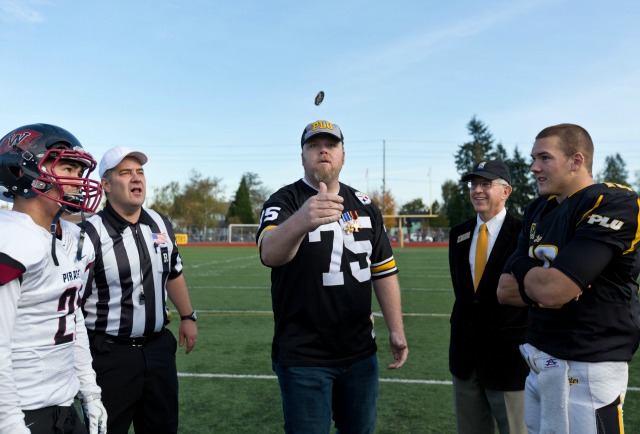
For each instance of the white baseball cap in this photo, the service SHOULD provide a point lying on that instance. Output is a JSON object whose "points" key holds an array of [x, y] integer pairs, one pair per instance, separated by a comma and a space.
{"points": [[114, 156]]}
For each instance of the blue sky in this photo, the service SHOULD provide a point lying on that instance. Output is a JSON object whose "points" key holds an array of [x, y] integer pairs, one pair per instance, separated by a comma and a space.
{"points": [[225, 88]]}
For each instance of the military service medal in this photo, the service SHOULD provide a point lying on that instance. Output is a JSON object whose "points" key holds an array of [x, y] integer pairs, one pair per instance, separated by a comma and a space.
{"points": [[351, 224]]}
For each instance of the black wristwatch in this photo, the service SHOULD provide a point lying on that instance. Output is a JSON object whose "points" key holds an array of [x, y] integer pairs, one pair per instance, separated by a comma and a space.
{"points": [[193, 316]]}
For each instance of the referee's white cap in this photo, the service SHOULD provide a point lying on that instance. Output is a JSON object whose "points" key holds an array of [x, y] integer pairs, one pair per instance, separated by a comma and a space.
{"points": [[114, 156]]}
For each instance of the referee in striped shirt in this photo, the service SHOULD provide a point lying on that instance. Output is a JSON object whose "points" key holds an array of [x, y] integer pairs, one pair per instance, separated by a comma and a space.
{"points": [[137, 265]]}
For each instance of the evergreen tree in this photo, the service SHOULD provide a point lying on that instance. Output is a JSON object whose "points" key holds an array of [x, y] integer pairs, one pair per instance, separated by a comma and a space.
{"points": [[257, 191], [501, 153], [478, 149], [240, 210], [615, 170], [416, 206], [441, 220], [457, 205], [523, 183]]}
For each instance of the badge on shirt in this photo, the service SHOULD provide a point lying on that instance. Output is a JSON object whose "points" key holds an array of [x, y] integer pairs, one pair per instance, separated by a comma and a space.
{"points": [[350, 218], [363, 198], [160, 238], [464, 237]]}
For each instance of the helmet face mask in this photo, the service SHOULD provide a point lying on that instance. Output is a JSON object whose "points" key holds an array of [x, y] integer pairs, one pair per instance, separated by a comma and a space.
{"points": [[23, 155], [78, 193]]}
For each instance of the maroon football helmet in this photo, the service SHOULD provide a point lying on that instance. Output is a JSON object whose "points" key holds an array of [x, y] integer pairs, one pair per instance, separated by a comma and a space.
{"points": [[23, 153]]}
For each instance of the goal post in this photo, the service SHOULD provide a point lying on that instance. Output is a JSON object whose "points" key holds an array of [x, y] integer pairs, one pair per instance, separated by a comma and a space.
{"points": [[423, 231], [242, 232]]}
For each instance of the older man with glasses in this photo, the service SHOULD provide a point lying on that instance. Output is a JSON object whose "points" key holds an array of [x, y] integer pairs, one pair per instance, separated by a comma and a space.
{"points": [[488, 371]]}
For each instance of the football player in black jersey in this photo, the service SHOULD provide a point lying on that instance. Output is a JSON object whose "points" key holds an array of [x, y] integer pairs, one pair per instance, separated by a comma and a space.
{"points": [[576, 265], [326, 245]]}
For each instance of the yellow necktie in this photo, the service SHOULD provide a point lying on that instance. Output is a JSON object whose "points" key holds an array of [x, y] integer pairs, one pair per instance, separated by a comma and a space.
{"points": [[481, 254]]}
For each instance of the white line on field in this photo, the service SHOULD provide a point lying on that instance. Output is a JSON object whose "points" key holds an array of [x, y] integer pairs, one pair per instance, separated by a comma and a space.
{"points": [[382, 380], [266, 288], [432, 315], [428, 289], [223, 261], [273, 377], [248, 312], [268, 312]]}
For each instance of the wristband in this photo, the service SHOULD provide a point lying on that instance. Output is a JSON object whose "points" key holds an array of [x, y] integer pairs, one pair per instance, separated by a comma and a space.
{"points": [[519, 268], [508, 265], [528, 300], [193, 316]]}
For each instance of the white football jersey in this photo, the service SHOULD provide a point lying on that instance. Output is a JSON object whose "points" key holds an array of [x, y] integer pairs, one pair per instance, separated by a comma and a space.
{"points": [[44, 350]]}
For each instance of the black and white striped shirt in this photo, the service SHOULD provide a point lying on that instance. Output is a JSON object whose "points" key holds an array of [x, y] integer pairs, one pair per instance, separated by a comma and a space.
{"points": [[126, 292]]}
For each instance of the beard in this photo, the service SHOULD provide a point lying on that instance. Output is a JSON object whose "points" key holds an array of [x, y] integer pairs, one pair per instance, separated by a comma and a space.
{"points": [[325, 174]]}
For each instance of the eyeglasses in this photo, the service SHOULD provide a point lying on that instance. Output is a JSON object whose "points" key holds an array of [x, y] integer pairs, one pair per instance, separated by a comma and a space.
{"points": [[485, 185]]}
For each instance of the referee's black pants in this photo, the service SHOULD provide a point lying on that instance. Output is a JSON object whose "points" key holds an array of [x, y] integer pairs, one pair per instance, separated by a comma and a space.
{"points": [[139, 382], [54, 420]]}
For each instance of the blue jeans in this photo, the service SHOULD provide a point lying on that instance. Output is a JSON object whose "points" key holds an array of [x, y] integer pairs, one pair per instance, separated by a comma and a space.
{"points": [[312, 395]]}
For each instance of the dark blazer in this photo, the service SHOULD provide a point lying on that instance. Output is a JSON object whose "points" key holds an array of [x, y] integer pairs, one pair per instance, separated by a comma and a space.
{"points": [[484, 333]]}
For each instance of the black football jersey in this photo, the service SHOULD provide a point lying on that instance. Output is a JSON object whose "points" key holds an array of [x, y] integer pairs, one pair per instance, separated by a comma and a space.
{"points": [[592, 237], [321, 299]]}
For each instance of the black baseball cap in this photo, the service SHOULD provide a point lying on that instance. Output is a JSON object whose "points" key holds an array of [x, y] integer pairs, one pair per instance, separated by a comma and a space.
{"points": [[321, 127], [492, 169]]}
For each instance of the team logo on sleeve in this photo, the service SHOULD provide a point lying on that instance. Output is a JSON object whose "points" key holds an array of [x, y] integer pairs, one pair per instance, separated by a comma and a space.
{"points": [[363, 198], [605, 222]]}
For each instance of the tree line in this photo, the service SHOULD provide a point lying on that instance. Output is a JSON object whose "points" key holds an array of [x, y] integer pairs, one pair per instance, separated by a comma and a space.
{"points": [[481, 147], [200, 202]]}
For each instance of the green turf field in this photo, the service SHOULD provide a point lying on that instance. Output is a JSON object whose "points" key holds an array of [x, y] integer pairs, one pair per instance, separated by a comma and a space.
{"points": [[227, 385]]}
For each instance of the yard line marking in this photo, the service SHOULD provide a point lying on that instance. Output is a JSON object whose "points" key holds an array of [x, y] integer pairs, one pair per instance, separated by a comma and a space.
{"points": [[268, 312], [401, 380], [431, 315], [273, 377], [267, 287], [224, 261], [428, 289], [382, 380], [251, 377], [233, 312]]}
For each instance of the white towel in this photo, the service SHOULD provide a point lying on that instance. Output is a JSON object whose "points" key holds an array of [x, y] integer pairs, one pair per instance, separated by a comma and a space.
{"points": [[553, 379]]}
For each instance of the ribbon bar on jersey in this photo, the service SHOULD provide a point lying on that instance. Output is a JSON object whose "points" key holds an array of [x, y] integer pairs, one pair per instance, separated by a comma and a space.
{"points": [[350, 219]]}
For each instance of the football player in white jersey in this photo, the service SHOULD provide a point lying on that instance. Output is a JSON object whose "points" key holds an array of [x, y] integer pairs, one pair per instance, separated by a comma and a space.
{"points": [[44, 354]]}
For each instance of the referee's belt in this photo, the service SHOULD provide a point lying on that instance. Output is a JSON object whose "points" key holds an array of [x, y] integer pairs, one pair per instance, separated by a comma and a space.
{"points": [[134, 342]]}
